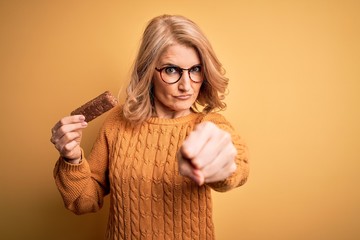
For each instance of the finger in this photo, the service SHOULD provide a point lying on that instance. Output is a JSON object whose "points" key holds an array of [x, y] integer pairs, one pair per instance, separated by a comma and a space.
{"points": [[223, 174], [184, 165], [67, 120], [64, 129], [187, 170], [64, 121], [222, 161], [67, 138], [68, 149], [196, 140], [200, 178], [218, 142], [69, 145], [70, 128]]}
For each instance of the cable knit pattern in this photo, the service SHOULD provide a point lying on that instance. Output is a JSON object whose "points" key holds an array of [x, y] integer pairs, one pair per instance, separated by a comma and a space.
{"points": [[137, 167]]}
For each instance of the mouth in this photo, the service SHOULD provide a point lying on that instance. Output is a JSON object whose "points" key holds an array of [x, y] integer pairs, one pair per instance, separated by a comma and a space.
{"points": [[183, 97]]}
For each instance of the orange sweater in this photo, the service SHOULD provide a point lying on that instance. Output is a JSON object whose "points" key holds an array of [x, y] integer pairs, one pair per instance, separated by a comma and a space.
{"points": [[137, 166]]}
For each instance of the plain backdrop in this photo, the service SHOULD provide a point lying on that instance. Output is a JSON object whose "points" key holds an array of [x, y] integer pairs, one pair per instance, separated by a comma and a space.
{"points": [[294, 95]]}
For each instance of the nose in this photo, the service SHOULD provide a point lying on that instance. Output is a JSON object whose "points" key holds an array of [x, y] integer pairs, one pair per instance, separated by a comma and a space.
{"points": [[185, 82]]}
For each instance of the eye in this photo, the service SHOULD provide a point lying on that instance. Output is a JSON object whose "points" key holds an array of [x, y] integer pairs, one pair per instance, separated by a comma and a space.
{"points": [[196, 69], [171, 70]]}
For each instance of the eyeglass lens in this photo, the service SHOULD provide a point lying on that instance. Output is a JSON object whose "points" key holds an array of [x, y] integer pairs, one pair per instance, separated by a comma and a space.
{"points": [[172, 74]]}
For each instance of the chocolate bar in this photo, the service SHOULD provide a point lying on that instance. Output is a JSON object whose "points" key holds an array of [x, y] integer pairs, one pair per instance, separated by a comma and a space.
{"points": [[97, 106]]}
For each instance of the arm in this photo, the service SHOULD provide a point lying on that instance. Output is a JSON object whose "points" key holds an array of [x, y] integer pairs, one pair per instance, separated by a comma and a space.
{"points": [[240, 175], [83, 186]]}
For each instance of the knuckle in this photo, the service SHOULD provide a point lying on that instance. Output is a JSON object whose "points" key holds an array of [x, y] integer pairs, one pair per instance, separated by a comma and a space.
{"points": [[211, 126], [62, 122], [210, 173], [182, 169], [233, 167], [68, 136], [61, 130], [67, 147], [233, 151], [227, 136], [207, 125], [186, 152]]}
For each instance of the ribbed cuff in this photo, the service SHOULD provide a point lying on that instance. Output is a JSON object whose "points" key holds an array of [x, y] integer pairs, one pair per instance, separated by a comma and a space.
{"points": [[67, 166]]}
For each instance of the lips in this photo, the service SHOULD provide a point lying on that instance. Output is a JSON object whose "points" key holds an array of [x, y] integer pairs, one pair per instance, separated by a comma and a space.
{"points": [[183, 97]]}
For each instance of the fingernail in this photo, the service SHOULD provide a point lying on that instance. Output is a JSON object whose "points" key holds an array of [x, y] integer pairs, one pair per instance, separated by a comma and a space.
{"points": [[84, 124], [82, 117]]}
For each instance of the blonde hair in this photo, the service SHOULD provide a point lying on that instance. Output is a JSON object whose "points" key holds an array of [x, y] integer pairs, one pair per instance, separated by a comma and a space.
{"points": [[160, 33]]}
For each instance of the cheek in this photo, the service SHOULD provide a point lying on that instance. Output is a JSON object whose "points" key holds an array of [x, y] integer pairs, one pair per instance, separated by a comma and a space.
{"points": [[157, 88], [197, 88], [161, 91]]}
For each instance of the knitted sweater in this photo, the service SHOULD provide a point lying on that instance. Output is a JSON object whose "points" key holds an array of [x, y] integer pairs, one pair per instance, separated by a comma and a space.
{"points": [[137, 167]]}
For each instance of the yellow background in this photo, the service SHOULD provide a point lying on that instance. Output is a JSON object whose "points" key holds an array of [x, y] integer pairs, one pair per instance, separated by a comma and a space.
{"points": [[294, 96]]}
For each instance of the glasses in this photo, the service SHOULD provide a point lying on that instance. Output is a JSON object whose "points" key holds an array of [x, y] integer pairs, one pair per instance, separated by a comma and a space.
{"points": [[172, 74]]}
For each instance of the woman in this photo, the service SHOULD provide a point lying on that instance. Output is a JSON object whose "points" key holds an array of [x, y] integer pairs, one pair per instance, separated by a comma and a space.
{"points": [[159, 154]]}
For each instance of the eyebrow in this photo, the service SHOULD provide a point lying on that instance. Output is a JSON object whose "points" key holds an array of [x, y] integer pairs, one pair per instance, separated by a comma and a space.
{"points": [[174, 65]]}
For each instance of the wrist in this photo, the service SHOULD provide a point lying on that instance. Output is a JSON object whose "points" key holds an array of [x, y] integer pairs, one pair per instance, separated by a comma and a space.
{"points": [[72, 161]]}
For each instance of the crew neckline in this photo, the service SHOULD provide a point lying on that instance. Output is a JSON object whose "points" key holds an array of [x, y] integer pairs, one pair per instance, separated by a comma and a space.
{"points": [[170, 121]]}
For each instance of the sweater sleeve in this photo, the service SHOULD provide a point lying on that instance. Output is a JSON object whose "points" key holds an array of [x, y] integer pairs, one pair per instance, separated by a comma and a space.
{"points": [[83, 186], [240, 176]]}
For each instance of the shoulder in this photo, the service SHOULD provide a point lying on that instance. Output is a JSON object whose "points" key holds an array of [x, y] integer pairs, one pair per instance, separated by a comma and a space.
{"points": [[215, 117], [114, 119], [115, 114], [219, 120]]}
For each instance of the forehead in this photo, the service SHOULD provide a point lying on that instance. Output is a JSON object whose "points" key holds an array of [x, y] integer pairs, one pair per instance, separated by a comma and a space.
{"points": [[180, 55]]}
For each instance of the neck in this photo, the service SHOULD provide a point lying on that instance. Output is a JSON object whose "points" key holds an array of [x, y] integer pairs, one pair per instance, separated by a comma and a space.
{"points": [[171, 114]]}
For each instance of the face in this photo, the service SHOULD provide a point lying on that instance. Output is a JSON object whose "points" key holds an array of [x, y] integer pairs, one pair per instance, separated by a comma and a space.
{"points": [[175, 100]]}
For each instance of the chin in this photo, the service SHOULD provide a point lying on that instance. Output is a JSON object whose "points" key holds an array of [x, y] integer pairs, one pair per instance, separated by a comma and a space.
{"points": [[182, 107]]}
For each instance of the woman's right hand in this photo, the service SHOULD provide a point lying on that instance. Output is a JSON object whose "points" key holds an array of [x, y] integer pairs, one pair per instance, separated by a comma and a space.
{"points": [[66, 137]]}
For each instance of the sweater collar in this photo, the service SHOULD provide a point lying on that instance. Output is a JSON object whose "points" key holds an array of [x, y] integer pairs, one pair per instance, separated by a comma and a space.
{"points": [[171, 121]]}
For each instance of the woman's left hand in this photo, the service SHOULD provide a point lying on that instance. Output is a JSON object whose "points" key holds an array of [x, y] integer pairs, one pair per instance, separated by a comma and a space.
{"points": [[207, 154]]}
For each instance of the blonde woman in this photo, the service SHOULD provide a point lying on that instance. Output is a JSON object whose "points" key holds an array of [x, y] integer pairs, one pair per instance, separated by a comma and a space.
{"points": [[159, 154]]}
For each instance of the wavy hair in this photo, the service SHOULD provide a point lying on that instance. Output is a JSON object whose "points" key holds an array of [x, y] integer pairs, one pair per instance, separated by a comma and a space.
{"points": [[160, 33]]}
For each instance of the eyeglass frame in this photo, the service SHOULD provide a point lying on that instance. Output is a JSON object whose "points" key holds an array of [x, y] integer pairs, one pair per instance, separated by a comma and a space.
{"points": [[160, 70]]}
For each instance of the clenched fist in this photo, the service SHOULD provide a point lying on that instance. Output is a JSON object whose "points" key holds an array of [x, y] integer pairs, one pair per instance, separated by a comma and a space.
{"points": [[207, 154]]}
